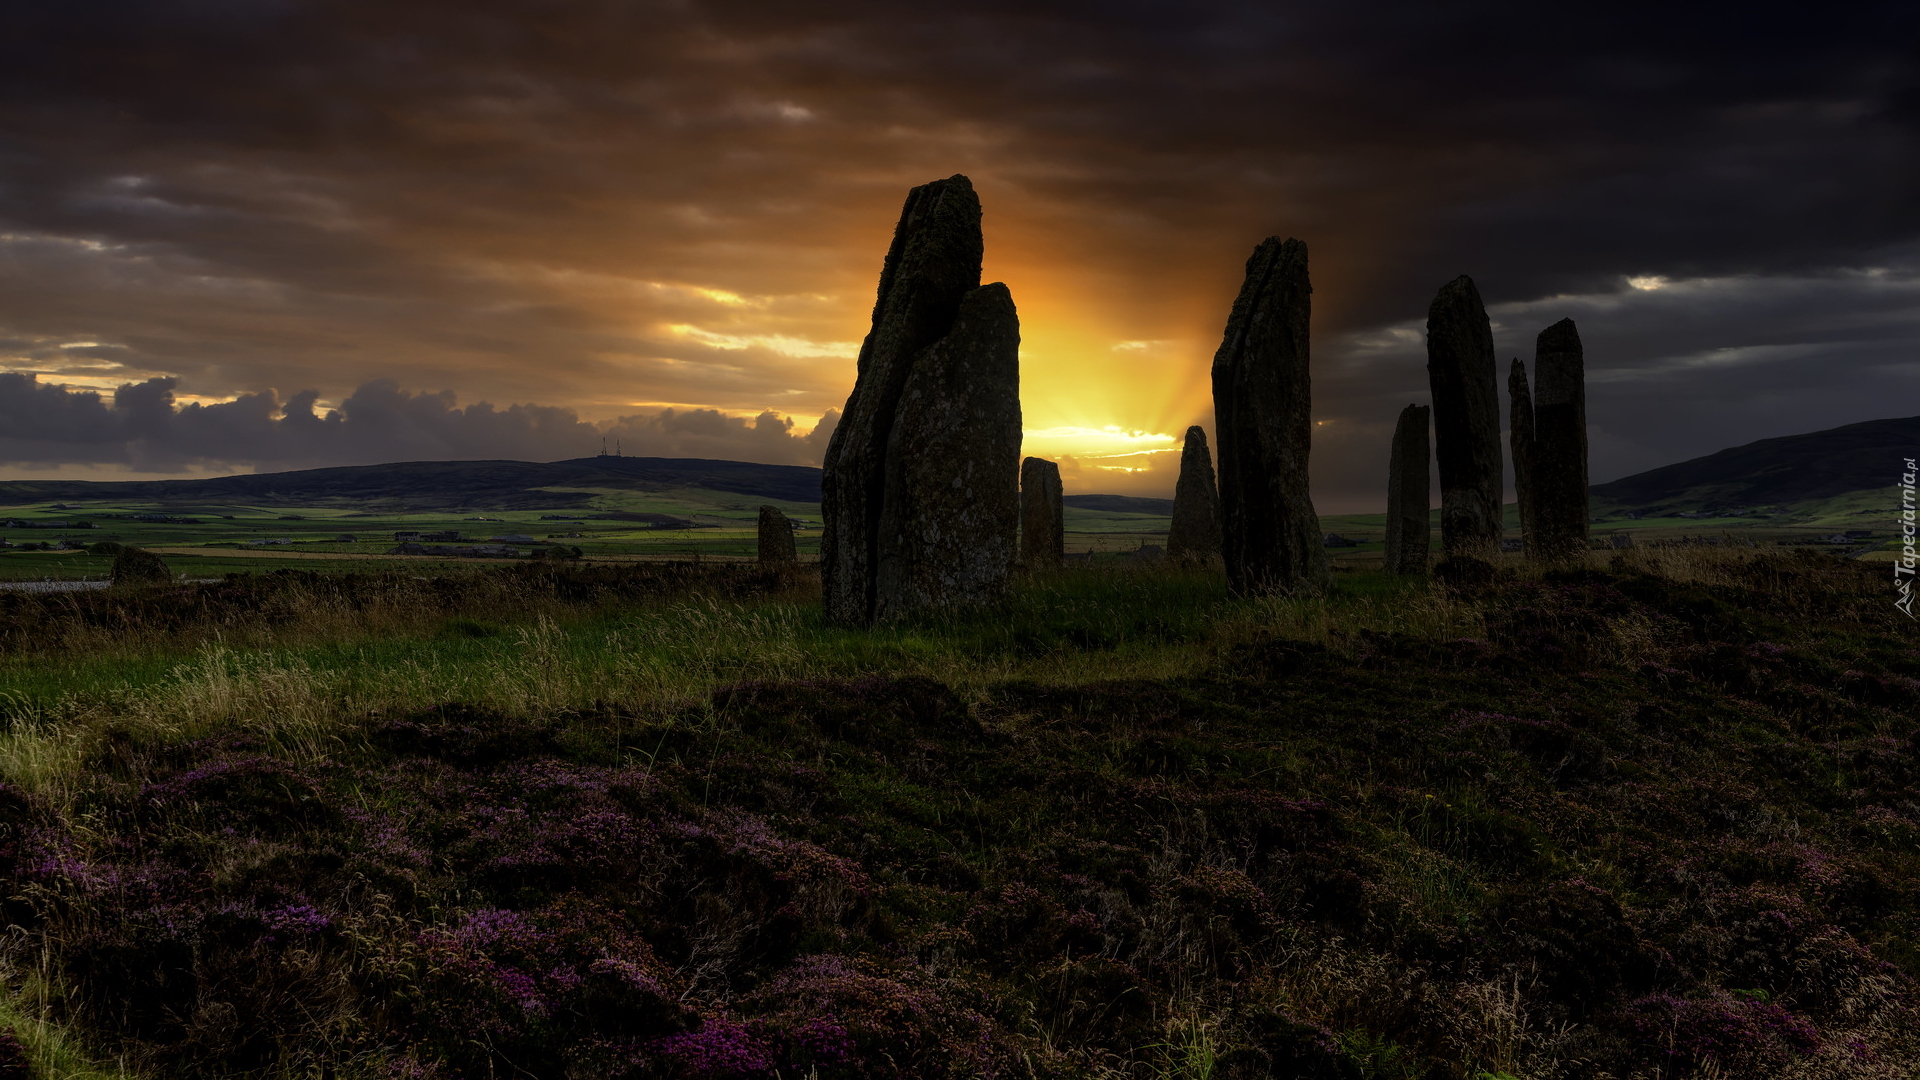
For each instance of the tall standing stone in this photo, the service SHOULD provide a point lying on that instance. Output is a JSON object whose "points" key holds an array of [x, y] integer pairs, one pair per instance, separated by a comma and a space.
{"points": [[1560, 441], [1194, 537], [1263, 417], [1409, 499], [776, 539], [1043, 528], [933, 263], [1466, 420], [950, 505], [1520, 436]]}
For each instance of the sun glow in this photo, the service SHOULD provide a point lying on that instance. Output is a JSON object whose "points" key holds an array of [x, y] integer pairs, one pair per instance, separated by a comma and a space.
{"points": [[1108, 449], [1086, 442]]}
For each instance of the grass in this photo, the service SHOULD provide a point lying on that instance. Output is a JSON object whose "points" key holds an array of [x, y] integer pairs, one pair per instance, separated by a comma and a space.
{"points": [[50, 1051], [312, 651], [1654, 817]]}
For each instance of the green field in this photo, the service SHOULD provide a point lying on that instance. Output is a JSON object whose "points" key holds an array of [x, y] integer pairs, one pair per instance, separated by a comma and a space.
{"points": [[225, 538], [219, 539]]}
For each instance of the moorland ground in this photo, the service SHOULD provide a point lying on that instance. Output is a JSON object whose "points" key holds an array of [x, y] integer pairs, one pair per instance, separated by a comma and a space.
{"points": [[1655, 817]]}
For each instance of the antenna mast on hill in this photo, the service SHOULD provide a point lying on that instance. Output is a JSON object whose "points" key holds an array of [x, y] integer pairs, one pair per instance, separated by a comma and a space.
{"points": [[616, 446], [603, 446]]}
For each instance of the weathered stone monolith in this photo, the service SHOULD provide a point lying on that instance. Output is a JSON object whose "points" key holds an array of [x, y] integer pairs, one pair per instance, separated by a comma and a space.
{"points": [[1263, 418], [933, 263], [1409, 498], [1466, 420], [1521, 441], [1560, 441], [1043, 533], [950, 506], [776, 539], [137, 566], [1194, 537]]}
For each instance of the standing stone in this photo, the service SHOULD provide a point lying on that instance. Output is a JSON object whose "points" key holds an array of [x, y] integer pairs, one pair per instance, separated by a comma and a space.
{"points": [[776, 539], [1194, 538], [1466, 420], [950, 505], [1560, 442], [1520, 435], [137, 566], [1043, 529], [933, 263], [1263, 416], [1409, 501]]}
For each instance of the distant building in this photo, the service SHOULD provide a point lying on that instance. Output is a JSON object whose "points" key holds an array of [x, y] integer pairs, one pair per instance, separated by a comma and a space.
{"points": [[480, 551]]}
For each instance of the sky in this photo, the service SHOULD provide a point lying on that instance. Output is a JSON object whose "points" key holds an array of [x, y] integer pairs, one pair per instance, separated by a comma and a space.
{"points": [[250, 235]]}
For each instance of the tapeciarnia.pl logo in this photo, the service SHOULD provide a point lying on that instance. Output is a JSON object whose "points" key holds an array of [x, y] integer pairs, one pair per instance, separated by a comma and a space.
{"points": [[1903, 567]]}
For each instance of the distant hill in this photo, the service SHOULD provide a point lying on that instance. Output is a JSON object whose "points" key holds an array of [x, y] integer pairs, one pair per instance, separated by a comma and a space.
{"points": [[439, 485], [793, 483], [498, 485], [1121, 504], [1771, 472]]}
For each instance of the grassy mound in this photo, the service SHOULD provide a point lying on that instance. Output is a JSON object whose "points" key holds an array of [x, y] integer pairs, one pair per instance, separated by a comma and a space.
{"points": [[1659, 819]]}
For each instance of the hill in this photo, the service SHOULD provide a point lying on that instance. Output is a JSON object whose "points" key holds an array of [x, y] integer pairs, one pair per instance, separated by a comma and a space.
{"points": [[436, 485], [1792, 469], [1121, 504], [491, 485]]}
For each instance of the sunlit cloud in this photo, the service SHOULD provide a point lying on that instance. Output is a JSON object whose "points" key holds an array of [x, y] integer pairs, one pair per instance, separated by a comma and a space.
{"points": [[80, 242], [1140, 461], [779, 343], [722, 296]]}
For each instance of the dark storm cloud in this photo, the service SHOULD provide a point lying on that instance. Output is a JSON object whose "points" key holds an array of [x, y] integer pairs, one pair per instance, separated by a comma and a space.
{"points": [[142, 426], [602, 205]]}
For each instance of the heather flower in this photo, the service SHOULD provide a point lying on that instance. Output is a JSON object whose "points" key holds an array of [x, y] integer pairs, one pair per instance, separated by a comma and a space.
{"points": [[720, 1050], [296, 919], [1728, 1029]]}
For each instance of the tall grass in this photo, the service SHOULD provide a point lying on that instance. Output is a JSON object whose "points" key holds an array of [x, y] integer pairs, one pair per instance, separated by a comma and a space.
{"points": [[318, 661], [51, 1051]]}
